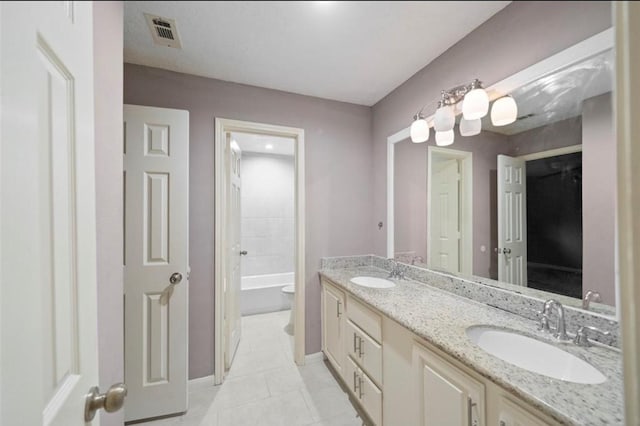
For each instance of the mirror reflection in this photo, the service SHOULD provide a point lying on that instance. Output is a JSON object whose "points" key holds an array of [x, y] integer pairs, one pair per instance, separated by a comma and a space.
{"points": [[531, 203]]}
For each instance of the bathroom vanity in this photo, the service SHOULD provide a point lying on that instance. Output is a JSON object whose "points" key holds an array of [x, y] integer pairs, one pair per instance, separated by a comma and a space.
{"points": [[405, 356]]}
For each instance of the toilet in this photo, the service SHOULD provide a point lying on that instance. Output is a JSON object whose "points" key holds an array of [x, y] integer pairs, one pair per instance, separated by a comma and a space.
{"points": [[289, 291]]}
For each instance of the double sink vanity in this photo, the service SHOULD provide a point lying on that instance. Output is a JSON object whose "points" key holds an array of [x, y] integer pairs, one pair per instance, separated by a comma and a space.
{"points": [[418, 347]]}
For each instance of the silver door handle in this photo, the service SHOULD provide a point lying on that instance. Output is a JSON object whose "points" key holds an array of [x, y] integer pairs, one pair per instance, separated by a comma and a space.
{"points": [[175, 278], [506, 251], [502, 250], [243, 253], [112, 400]]}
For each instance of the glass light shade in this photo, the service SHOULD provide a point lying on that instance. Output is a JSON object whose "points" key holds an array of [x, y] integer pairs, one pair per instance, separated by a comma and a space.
{"points": [[444, 138], [470, 127], [475, 104], [419, 131], [504, 111], [445, 119]]}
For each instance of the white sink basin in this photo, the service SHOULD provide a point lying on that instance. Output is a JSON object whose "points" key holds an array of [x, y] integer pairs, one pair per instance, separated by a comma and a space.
{"points": [[372, 282], [534, 355]]}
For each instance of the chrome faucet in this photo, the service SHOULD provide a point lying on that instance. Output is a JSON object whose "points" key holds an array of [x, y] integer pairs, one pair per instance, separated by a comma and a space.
{"points": [[396, 272], [561, 327], [591, 296], [582, 338]]}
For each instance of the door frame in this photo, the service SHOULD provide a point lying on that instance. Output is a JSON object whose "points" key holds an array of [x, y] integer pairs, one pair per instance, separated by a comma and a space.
{"points": [[627, 107], [465, 206], [222, 126]]}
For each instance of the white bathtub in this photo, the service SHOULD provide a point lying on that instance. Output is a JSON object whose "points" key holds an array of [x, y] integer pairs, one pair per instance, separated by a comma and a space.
{"points": [[263, 293]]}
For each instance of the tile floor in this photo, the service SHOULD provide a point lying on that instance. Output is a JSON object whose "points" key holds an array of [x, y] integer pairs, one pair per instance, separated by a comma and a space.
{"points": [[265, 387]]}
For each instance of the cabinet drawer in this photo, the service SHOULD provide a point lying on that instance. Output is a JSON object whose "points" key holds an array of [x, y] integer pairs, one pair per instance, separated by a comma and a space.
{"points": [[365, 351], [364, 391], [511, 414], [369, 321]]}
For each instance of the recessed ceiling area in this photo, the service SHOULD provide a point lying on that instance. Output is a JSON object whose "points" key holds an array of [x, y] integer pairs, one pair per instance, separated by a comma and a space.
{"points": [[355, 52], [263, 144]]}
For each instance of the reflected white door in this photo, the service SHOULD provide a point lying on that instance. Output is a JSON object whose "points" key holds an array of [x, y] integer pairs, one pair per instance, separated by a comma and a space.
{"points": [[233, 329], [512, 220], [445, 221], [49, 357], [156, 167]]}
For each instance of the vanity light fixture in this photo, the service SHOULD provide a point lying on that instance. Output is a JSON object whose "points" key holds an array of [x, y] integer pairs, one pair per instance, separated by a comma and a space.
{"points": [[473, 101], [445, 138], [268, 147], [470, 127], [419, 129], [504, 111]]}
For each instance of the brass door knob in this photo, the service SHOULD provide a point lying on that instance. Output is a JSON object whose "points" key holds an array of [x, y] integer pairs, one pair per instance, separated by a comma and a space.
{"points": [[112, 400]]}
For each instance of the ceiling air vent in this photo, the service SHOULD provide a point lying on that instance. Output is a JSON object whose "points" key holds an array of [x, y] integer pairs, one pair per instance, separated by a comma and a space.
{"points": [[163, 31]]}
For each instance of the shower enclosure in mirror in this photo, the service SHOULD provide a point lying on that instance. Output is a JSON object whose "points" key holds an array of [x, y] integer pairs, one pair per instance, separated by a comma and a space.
{"points": [[529, 206]]}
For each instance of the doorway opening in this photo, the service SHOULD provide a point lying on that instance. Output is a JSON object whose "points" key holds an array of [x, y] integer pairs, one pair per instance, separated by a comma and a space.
{"points": [[449, 210], [259, 240], [554, 224]]}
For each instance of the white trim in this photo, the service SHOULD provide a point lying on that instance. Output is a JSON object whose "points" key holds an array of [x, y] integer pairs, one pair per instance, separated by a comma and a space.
{"points": [[314, 358], [576, 53], [627, 107], [222, 126], [466, 204], [391, 140], [551, 153], [205, 382]]}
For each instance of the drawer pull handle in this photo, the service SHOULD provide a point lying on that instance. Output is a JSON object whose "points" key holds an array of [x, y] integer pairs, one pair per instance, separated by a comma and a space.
{"points": [[360, 350], [470, 405], [356, 382], [360, 391], [338, 313], [355, 349]]}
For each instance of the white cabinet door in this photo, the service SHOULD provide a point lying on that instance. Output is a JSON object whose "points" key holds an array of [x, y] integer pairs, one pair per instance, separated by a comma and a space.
{"points": [[510, 414], [49, 351], [332, 325], [156, 166], [447, 396], [512, 220]]}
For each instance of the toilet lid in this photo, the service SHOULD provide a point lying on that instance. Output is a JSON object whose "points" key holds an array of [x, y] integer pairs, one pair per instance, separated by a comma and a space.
{"points": [[288, 289]]}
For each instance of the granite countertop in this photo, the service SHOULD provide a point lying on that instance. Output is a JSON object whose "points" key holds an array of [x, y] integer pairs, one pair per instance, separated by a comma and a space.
{"points": [[441, 318]]}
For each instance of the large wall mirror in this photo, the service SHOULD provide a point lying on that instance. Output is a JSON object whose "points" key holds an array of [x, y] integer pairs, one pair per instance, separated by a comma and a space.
{"points": [[529, 206]]}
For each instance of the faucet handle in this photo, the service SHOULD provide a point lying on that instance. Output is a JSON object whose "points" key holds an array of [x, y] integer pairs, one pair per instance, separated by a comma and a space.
{"points": [[590, 296], [544, 322], [582, 338]]}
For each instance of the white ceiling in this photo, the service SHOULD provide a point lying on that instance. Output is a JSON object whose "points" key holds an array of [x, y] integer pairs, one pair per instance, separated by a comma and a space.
{"points": [[258, 143], [355, 52]]}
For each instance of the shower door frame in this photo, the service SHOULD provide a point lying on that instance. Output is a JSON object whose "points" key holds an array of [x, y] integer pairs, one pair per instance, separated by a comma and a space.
{"points": [[222, 126]]}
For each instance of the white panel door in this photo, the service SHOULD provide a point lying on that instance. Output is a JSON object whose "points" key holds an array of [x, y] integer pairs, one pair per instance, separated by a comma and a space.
{"points": [[445, 221], [156, 167], [48, 300], [447, 396], [233, 329], [512, 220]]}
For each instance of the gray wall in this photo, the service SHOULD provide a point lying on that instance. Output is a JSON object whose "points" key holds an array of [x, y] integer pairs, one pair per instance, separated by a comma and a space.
{"points": [[518, 36], [599, 197], [338, 180], [267, 223], [552, 136], [107, 43]]}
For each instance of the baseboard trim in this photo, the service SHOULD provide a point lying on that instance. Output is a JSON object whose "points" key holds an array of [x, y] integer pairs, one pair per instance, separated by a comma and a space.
{"points": [[201, 383], [313, 358]]}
